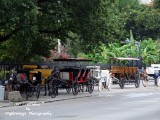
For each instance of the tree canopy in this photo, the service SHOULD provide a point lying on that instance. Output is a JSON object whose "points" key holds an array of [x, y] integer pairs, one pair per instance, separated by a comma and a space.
{"points": [[30, 28]]}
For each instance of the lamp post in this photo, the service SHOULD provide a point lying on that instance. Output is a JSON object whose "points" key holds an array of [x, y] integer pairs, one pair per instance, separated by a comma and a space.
{"points": [[59, 46], [136, 43], [128, 41]]}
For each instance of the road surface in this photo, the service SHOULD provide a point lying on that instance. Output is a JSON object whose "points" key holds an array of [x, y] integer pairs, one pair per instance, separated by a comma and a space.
{"points": [[128, 104]]}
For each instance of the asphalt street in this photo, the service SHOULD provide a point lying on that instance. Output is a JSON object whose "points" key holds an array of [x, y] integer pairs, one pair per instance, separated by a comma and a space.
{"points": [[129, 103]]}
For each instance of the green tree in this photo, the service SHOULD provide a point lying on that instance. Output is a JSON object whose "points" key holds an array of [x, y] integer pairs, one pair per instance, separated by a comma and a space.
{"points": [[148, 49], [144, 24], [150, 52], [156, 4], [31, 28], [18, 28]]}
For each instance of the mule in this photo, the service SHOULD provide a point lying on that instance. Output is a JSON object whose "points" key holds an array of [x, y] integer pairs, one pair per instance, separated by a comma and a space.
{"points": [[16, 82]]}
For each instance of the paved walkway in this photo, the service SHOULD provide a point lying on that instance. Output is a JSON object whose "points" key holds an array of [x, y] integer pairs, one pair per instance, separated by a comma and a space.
{"points": [[63, 95]]}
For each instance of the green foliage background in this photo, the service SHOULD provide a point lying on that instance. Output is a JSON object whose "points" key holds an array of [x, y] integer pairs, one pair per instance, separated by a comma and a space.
{"points": [[29, 29]]}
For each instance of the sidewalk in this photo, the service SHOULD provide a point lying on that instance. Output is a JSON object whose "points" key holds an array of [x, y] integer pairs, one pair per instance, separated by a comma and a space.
{"points": [[5, 103], [63, 95]]}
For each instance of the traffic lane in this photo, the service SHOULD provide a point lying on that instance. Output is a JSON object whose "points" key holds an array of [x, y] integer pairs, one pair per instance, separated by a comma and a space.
{"points": [[116, 108], [119, 106]]}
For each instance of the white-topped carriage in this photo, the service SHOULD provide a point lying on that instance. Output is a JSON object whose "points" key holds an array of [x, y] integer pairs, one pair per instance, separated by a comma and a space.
{"points": [[102, 77], [153, 72]]}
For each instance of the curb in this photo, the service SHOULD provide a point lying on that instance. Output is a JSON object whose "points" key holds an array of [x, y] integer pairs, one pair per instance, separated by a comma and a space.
{"points": [[5, 106], [69, 98]]}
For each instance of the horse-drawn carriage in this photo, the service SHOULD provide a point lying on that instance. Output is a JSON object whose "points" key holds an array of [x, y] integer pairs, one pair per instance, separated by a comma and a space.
{"points": [[102, 77], [75, 78], [152, 72], [125, 72], [29, 79]]}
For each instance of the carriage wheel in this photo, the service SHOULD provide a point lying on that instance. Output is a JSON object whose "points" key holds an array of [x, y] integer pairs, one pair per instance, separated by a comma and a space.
{"points": [[158, 81], [54, 90], [90, 85], [121, 83], [75, 88], [144, 81], [30, 91], [38, 91], [137, 79], [137, 83]]}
